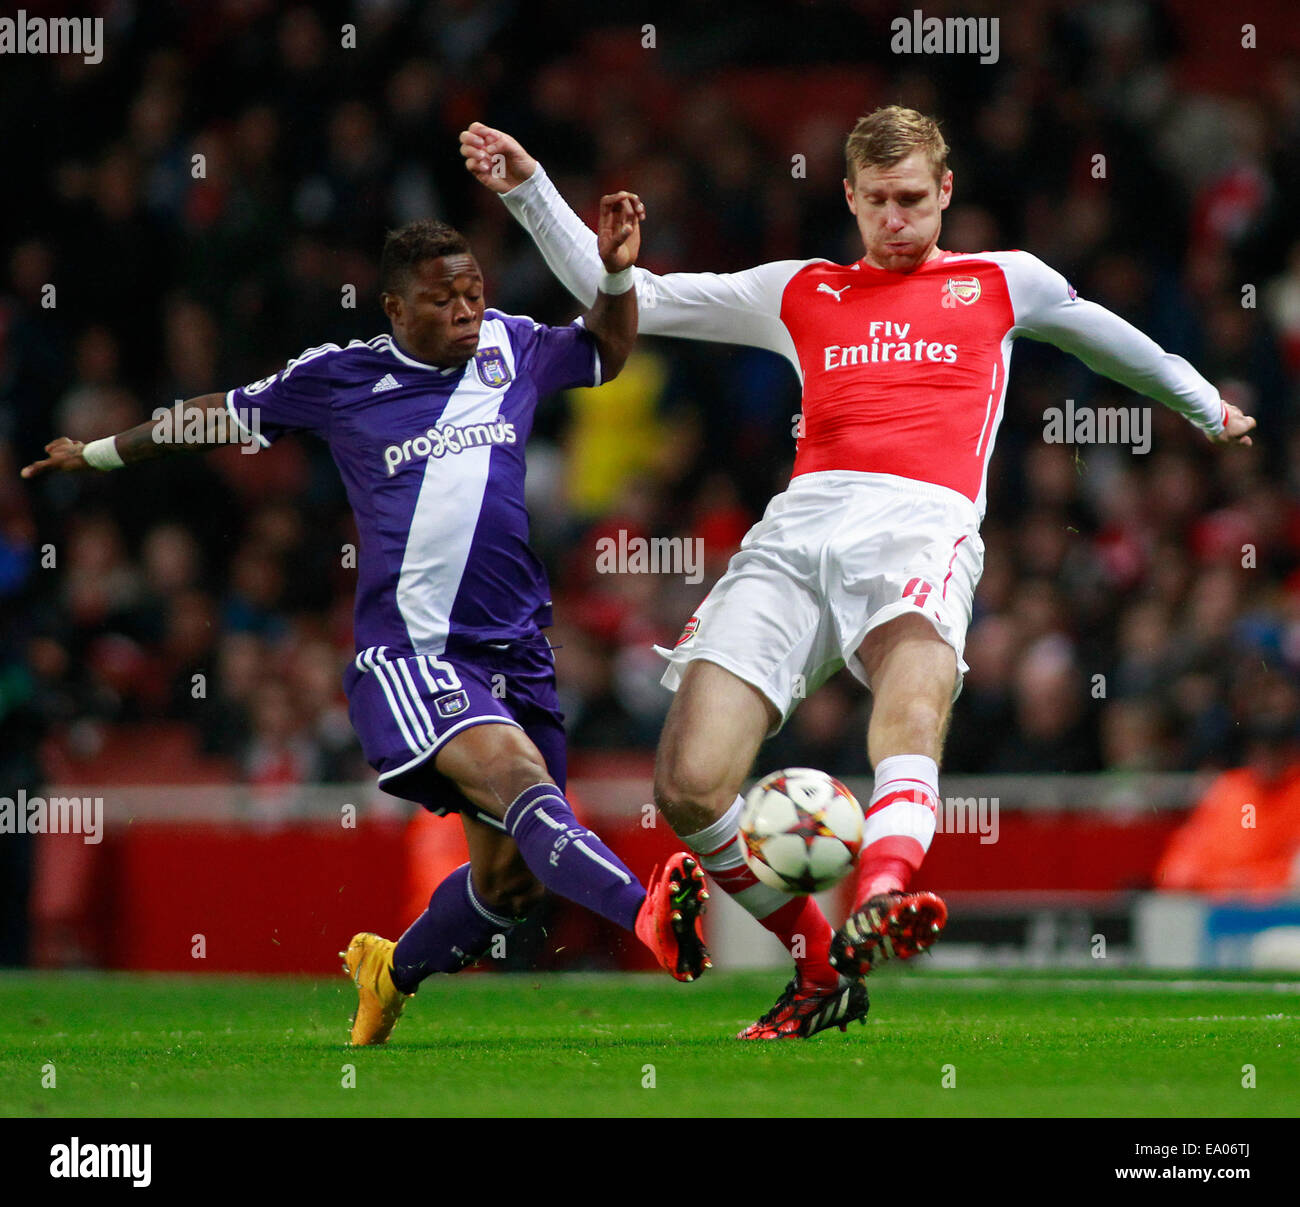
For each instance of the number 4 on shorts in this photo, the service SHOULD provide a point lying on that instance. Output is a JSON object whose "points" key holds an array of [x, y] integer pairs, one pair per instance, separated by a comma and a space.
{"points": [[918, 591]]}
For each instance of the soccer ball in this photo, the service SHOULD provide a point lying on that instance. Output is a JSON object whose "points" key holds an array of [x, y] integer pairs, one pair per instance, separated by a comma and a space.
{"points": [[801, 830]]}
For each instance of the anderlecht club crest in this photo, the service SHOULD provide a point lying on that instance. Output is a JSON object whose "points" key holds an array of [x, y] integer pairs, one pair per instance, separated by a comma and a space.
{"points": [[492, 369]]}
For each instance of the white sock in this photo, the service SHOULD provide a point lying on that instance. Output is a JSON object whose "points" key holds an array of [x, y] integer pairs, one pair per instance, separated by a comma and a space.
{"points": [[719, 849]]}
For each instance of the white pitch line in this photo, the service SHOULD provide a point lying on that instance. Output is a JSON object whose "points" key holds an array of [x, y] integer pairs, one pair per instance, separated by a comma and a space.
{"points": [[1237, 1018], [1078, 985]]}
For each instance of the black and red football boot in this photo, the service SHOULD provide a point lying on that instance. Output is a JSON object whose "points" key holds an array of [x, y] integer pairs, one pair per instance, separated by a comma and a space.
{"points": [[890, 926], [800, 1014]]}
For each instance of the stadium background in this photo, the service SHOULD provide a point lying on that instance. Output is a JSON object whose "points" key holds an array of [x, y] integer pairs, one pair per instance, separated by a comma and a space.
{"points": [[223, 810]]}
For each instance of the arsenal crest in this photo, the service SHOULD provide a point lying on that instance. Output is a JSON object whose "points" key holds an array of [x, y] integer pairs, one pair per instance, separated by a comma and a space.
{"points": [[965, 289], [492, 369], [689, 631]]}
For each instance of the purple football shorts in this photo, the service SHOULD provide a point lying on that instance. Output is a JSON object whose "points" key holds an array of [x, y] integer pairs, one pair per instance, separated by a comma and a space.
{"points": [[405, 707]]}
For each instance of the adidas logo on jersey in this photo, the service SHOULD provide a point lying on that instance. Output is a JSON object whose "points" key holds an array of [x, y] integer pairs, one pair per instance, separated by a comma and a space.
{"points": [[387, 382], [438, 441]]}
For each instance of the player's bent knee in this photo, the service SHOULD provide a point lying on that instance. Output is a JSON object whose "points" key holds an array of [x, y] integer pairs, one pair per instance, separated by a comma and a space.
{"points": [[681, 780], [518, 773], [492, 765], [691, 791]]}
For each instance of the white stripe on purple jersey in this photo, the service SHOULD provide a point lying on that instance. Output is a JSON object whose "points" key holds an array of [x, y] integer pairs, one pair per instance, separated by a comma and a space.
{"points": [[433, 464]]}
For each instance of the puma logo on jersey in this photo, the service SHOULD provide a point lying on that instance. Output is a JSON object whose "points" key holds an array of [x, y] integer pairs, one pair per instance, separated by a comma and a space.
{"points": [[835, 293], [965, 289]]}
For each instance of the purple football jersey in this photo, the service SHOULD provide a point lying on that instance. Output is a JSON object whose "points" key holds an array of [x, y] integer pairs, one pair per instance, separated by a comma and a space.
{"points": [[433, 463]]}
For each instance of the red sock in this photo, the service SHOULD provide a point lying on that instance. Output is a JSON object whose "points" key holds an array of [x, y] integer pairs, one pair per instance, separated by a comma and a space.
{"points": [[803, 919], [885, 867], [899, 824]]}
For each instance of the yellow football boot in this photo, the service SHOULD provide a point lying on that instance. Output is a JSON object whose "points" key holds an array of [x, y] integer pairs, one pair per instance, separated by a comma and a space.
{"points": [[369, 962]]}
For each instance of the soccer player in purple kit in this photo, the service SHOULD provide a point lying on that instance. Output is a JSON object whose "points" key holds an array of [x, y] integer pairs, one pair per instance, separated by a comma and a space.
{"points": [[452, 691]]}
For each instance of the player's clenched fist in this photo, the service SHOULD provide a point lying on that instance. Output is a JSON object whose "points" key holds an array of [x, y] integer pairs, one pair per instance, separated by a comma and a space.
{"points": [[494, 158]]}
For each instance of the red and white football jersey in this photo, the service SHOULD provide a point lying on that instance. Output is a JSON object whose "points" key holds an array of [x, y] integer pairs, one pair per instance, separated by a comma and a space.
{"points": [[903, 373]]}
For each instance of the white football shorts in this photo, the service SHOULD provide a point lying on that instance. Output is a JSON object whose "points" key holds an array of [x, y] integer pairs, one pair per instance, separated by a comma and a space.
{"points": [[836, 554]]}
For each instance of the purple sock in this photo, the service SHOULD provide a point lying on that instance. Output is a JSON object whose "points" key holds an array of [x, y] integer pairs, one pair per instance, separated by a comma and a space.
{"points": [[569, 859], [452, 933]]}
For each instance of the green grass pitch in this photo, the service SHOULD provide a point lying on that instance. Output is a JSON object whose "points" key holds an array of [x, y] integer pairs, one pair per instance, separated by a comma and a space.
{"points": [[1118, 1044]]}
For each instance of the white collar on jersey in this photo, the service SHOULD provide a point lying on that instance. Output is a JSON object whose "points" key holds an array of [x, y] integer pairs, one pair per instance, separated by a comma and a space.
{"points": [[391, 344]]}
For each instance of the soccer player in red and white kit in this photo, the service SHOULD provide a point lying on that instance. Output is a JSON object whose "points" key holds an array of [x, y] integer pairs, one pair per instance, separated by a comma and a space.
{"points": [[870, 558]]}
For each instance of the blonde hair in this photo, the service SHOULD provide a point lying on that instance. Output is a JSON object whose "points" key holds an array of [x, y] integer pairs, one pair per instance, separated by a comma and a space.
{"points": [[888, 135]]}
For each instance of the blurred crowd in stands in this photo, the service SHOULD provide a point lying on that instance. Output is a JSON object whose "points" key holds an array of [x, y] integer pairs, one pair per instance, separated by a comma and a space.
{"points": [[1133, 609]]}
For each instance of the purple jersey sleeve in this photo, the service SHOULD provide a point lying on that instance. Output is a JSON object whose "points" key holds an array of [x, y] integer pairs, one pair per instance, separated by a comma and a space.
{"points": [[560, 358], [295, 399]]}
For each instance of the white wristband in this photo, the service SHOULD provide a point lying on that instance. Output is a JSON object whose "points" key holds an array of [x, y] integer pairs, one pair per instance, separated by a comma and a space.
{"points": [[614, 283], [102, 454]]}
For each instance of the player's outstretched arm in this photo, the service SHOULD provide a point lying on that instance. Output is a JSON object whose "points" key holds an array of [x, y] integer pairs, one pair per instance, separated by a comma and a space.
{"points": [[734, 308], [568, 245], [203, 423], [1048, 309]]}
